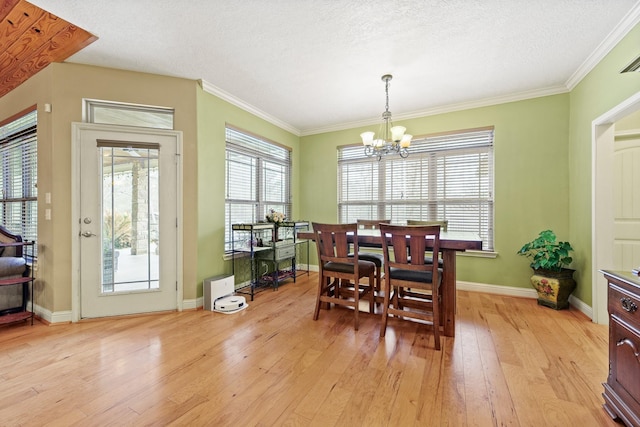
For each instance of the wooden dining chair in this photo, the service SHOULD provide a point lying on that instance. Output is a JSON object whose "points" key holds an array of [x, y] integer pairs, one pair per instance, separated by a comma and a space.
{"points": [[414, 285], [443, 227], [339, 274], [375, 257]]}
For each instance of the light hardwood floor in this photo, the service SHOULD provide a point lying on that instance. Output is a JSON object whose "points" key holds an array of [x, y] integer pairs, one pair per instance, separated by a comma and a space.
{"points": [[512, 363]]}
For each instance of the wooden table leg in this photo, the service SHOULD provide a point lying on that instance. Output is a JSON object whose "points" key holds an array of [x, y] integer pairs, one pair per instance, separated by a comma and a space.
{"points": [[448, 290]]}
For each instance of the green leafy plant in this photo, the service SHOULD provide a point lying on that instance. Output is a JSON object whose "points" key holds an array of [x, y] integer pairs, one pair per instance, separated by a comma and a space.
{"points": [[545, 252]]}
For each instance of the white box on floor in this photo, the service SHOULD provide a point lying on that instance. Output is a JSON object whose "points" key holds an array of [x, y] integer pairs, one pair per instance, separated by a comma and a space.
{"points": [[219, 295]]}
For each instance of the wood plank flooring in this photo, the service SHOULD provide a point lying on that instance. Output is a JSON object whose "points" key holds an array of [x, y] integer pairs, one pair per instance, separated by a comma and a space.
{"points": [[512, 363]]}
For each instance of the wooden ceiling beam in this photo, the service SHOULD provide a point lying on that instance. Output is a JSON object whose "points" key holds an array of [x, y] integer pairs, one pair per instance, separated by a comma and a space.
{"points": [[6, 7], [31, 39]]}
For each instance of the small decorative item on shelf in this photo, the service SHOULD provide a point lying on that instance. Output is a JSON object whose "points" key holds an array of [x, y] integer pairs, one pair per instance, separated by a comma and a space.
{"points": [[277, 218]]}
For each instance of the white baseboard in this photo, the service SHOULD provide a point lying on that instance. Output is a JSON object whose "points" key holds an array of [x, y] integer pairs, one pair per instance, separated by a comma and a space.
{"points": [[191, 304], [519, 292], [498, 290], [52, 317]]}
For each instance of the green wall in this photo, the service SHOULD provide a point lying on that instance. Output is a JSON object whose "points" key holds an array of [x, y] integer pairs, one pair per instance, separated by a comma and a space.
{"points": [[531, 178], [213, 115], [600, 91]]}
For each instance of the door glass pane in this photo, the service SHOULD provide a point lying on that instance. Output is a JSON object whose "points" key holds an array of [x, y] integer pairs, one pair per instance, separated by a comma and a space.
{"points": [[130, 219]]}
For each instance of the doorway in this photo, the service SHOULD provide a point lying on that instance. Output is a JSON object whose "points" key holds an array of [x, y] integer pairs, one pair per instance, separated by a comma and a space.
{"points": [[603, 203], [126, 219]]}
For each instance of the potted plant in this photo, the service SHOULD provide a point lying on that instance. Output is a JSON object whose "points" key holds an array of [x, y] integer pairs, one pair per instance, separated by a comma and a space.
{"points": [[551, 278]]}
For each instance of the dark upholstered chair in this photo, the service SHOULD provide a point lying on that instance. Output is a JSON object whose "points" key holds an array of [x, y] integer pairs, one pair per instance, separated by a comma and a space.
{"points": [[12, 264], [414, 285], [339, 274]]}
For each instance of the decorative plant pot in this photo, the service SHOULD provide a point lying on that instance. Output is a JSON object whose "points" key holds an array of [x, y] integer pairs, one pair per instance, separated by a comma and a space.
{"points": [[553, 287]]}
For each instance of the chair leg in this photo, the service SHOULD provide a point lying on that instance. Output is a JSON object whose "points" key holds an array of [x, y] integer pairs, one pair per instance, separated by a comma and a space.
{"points": [[435, 303], [356, 297], [385, 309], [321, 286], [397, 296], [372, 292], [378, 286]]}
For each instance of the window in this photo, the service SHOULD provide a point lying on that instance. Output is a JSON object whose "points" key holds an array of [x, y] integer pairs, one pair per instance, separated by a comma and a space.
{"points": [[19, 172], [446, 177], [118, 113], [257, 178]]}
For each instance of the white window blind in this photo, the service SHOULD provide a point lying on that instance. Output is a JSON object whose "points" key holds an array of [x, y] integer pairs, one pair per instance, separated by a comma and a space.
{"points": [[257, 179], [446, 177], [19, 172]]}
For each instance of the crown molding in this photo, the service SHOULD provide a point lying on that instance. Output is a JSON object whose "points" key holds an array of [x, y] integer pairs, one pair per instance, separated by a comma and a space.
{"points": [[627, 23], [487, 102], [226, 96]]}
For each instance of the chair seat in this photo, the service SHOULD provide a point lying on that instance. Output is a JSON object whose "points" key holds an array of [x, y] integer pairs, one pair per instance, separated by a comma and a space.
{"points": [[365, 268], [413, 276], [377, 259]]}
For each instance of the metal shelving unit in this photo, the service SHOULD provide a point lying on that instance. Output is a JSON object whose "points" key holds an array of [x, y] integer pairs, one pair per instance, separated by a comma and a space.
{"points": [[270, 251]]}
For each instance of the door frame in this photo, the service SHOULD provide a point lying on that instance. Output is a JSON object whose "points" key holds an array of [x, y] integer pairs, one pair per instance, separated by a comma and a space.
{"points": [[602, 210], [76, 130]]}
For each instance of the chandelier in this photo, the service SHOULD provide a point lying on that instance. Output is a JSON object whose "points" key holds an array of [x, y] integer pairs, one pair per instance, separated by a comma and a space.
{"points": [[391, 139]]}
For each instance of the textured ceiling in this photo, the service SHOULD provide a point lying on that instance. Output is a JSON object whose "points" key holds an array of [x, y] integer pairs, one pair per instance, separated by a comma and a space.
{"points": [[313, 65]]}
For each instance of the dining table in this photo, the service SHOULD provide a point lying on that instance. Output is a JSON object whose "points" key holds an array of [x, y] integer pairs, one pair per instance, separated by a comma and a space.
{"points": [[450, 243]]}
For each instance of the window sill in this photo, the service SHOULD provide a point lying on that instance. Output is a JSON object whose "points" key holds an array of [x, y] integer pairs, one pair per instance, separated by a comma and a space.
{"points": [[479, 254], [228, 256]]}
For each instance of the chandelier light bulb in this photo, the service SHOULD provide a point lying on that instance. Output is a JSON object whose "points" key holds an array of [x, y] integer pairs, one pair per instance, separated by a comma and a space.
{"points": [[405, 142], [367, 137], [397, 132]]}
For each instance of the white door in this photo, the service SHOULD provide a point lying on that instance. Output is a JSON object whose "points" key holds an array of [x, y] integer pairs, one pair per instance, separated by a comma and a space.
{"points": [[128, 219], [626, 187]]}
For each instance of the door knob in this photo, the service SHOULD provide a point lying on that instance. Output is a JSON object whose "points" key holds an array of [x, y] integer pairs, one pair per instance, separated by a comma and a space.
{"points": [[87, 234]]}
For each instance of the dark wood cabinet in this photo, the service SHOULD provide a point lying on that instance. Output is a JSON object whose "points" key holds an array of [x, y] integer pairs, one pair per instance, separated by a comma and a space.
{"points": [[622, 389]]}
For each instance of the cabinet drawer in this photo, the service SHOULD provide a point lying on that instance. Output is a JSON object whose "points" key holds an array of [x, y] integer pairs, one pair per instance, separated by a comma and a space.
{"points": [[285, 252], [624, 348], [278, 253], [624, 304]]}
